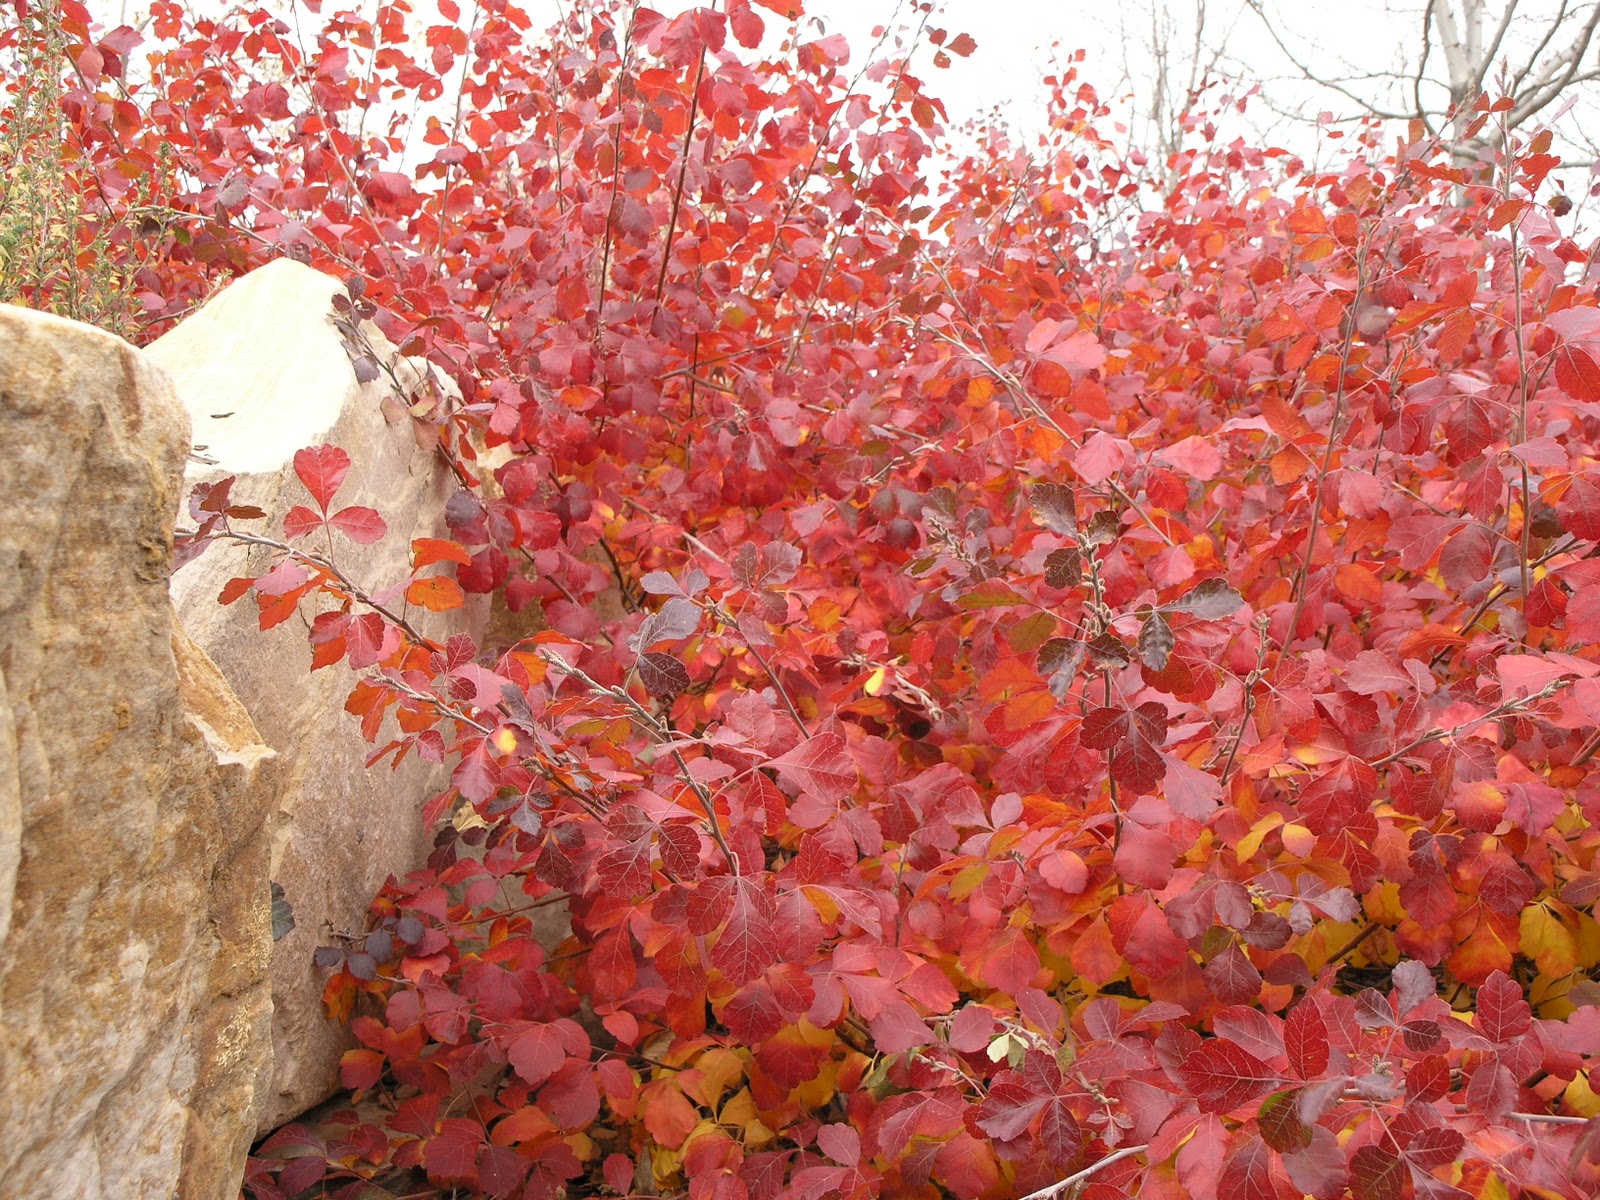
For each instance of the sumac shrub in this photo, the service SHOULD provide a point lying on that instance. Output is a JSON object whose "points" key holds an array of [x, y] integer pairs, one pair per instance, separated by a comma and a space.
{"points": [[1105, 695]]}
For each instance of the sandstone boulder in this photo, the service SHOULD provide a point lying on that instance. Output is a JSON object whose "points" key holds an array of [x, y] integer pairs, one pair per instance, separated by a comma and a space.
{"points": [[134, 933], [263, 373]]}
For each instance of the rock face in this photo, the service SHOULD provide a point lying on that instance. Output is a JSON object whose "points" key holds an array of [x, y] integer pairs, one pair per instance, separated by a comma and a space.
{"points": [[263, 374], [134, 933]]}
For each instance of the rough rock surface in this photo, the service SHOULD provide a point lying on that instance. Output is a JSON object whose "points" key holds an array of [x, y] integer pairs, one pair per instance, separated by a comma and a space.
{"points": [[134, 934], [263, 373]]}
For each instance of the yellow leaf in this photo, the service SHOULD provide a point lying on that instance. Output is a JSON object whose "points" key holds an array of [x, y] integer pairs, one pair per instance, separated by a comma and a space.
{"points": [[1580, 1097], [741, 1112], [824, 903], [1548, 941], [819, 1092], [1588, 941], [1251, 842], [1299, 841], [718, 1069], [741, 1107], [967, 881], [1383, 905]]}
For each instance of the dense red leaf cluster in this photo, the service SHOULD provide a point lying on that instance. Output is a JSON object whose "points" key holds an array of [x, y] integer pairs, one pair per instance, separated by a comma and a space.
{"points": [[1107, 693]]}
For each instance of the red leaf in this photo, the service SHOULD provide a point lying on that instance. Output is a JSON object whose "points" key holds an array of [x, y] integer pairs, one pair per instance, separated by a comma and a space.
{"points": [[1060, 1136], [1144, 857], [1194, 456], [452, 1155], [662, 674], [370, 640], [288, 576], [1010, 1108], [536, 1052], [1429, 1080], [618, 1170], [1010, 962], [747, 30], [361, 1069], [322, 469], [1376, 1173], [1133, 739], [1248, 1174], [1233, 978], [821, 767], [1579, 509], [476, 775], [1491, 1092], [1503, 1013], [840, 1143], [477, 685], [756, 569], [747, 944], [1281, 1127], [1224, 1076], [360, 524], [1577, 374], [1099, 458], [1371, 673], [624, 869], [388, 187], [299, 521], [1435, 1147]]}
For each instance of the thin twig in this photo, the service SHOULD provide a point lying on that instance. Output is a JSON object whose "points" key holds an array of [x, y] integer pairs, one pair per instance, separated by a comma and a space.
{"points": [[1503, 709], [1302, 576], [1055, 1189]]}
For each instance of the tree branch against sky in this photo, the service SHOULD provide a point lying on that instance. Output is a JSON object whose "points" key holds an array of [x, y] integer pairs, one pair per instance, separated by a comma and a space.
{"points": [[1457, 49]]}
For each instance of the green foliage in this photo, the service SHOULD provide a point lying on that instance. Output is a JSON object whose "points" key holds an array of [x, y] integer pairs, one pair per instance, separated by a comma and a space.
{"points": [[57, 253]]}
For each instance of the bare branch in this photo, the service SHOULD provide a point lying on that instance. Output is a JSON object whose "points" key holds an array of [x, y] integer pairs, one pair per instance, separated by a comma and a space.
{"points": [[1259, 8], [1544, 42], [1552, 85], [1422, 66], [1486, 59]]}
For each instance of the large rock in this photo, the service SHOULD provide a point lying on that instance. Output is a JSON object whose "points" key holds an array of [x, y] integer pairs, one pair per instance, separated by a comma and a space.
{"points": [[263, 373], [134, 929]]}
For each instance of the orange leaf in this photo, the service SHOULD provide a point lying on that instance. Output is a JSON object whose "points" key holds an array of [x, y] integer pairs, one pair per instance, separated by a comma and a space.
{"points": [[437, 593], [1358, 582], [1289, 464], [1285, 421], [1094, 956], [427, 551], [1029, 709]]}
